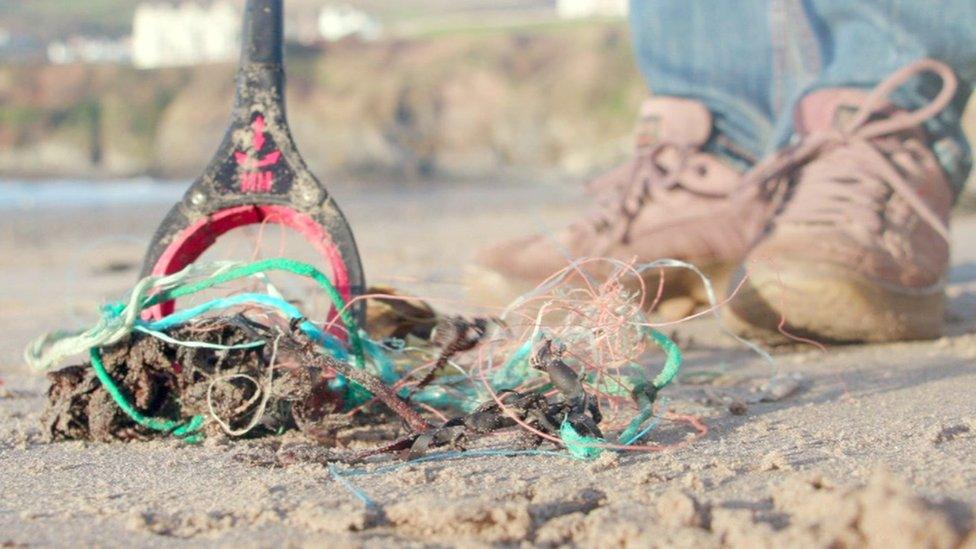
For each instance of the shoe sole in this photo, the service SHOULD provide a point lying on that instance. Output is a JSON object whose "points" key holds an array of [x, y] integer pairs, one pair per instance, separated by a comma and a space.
{"points": [[831, 304], [491, 288]]}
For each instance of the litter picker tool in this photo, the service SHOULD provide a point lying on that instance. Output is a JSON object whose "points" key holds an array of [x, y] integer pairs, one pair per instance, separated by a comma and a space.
{"points": [[257, 175]]}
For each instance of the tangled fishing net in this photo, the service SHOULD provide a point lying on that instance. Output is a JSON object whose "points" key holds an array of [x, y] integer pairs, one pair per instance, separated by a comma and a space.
{"points": [[575, 363]]}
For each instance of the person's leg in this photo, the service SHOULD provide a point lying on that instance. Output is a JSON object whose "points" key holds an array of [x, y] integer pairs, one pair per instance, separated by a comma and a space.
{"points": [[736, 57], [861, 43], [752, 61]]}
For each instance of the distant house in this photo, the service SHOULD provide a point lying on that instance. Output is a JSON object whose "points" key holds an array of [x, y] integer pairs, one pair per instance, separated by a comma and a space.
{"points": [[344, 21], [579, 9], [185, 33], [83, 49]]}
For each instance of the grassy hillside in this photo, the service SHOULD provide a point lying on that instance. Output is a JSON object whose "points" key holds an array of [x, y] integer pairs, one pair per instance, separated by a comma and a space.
{"points": [[456, 104], [52, 18]]}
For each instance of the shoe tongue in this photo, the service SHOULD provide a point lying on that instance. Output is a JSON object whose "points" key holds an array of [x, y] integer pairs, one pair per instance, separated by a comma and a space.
{"points": [[829, 109], [674, 120]]}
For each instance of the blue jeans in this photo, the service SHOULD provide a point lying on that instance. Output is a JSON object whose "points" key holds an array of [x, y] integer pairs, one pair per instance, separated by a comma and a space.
{"points": [[751, 61]]}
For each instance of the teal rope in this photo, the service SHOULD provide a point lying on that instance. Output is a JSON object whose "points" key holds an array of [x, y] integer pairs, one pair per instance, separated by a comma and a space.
{"points": [[276, 264], [579, 446], [630, 435], [343, 476], [515, 369], [186, 315], [360, 494], [672, 365], [187, 431]]}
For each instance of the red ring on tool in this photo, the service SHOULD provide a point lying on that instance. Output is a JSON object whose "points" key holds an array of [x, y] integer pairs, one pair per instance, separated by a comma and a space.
{"points": [[191, 242]]}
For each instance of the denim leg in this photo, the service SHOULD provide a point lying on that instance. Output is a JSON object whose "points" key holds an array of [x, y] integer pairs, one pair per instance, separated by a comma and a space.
{"points": [[862, 42], [751, 61], [715, 52]]}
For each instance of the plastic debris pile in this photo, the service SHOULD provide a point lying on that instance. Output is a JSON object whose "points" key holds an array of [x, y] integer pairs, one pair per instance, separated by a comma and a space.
{"points": [[574, 363]]}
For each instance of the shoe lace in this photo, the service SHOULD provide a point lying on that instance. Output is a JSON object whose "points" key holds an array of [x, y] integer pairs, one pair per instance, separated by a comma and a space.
{"points": [[618, 205], [855, 187]]}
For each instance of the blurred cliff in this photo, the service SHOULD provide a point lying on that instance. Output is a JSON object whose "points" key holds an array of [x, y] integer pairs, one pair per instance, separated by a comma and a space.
{"points": [[405, 90], [456, 105]]}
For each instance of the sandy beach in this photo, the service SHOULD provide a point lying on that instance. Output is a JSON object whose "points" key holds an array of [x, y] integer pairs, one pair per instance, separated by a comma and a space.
{"points": [[876, 445]]}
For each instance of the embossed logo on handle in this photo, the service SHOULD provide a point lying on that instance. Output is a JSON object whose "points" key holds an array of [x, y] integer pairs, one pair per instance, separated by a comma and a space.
{"points": [[254, 179]]}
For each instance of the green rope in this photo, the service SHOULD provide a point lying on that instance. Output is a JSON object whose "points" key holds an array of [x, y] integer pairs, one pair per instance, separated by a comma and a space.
{"points": [[579, 446], [187, 431], [278, 264], [672, 364]]}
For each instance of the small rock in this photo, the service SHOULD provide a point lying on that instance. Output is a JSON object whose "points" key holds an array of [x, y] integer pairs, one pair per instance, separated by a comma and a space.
{"points": [[779, 387], [738, 408]]}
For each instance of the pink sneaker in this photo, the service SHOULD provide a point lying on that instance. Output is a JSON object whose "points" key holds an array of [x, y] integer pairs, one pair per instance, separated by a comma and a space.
{"points": [[671, 200], [860, 251]]}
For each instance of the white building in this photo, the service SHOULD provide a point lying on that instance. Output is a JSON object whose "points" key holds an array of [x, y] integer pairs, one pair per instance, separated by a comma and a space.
{"points": [[82, 49], [344, 21], [578, 9], [185, 33]]}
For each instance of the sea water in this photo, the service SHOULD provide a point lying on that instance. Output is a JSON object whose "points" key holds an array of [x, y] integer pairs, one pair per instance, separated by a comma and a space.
{"points": [[48, 194]]}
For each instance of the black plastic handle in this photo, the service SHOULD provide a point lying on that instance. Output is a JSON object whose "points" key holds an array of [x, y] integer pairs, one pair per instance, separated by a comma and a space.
{"points": [[262, 39]]}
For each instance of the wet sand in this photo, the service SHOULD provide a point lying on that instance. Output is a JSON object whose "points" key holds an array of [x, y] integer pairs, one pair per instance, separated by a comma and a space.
{"points": [[876, 447]]}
